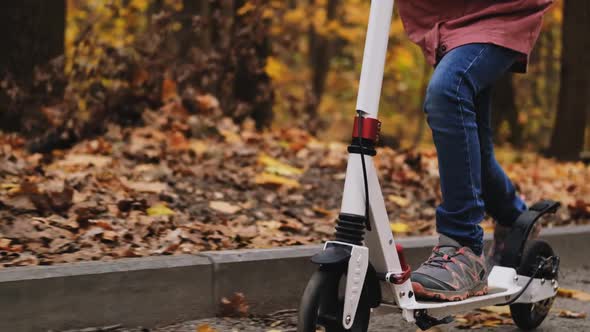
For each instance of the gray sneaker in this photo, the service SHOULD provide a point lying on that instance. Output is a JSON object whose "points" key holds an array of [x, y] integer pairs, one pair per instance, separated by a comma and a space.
{"points": [[451, 273]]}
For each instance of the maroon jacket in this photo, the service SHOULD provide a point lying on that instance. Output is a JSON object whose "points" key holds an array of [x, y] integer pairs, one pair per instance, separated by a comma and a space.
{"points": [[438, 26]]}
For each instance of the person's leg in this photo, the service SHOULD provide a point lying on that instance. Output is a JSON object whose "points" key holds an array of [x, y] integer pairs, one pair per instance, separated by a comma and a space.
{"points": [[456, 268], [451, 110], [499, 194]]}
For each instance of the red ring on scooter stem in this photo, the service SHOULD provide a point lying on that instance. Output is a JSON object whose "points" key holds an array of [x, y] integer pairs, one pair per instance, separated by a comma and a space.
{"points": [[400, 278], [371, 129]]}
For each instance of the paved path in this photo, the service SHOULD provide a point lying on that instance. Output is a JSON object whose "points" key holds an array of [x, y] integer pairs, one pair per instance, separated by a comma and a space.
{"points": [[388, 321], [385, 320]]}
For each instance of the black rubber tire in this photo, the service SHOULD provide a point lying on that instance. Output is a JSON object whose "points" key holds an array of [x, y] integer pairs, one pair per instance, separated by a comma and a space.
{"points": [[320, 301], [528, 316]]}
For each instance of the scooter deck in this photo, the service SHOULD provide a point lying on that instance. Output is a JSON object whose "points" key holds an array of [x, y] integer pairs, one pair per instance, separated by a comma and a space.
{"points": [[502, 283]]}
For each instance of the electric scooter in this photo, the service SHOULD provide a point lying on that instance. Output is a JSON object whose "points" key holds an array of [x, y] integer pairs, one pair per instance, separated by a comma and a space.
{"points": [[364, 262]]}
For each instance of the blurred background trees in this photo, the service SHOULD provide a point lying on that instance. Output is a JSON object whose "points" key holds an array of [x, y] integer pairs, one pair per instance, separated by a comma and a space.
{"points": [[70, 67]]}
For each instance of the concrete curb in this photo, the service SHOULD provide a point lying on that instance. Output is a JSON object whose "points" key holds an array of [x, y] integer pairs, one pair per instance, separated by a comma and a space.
{"points": [[162, 290]]}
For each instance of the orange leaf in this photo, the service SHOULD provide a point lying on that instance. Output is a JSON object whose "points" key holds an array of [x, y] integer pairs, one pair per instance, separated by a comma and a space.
{"points": [[205, 328], [169, 91], [574, 294]]}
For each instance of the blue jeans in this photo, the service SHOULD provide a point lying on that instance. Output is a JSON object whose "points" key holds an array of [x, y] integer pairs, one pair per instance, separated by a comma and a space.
{"points": [[458, 109]]}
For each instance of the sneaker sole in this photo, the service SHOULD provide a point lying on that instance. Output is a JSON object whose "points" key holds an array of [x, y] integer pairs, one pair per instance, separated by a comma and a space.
{"points": [[451, 296]]}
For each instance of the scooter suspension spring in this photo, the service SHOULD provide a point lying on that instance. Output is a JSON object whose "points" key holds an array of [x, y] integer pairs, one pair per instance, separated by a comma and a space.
{"points": [[350, 228]]}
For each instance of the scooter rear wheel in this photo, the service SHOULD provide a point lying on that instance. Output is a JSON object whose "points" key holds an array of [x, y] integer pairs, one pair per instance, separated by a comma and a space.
{"points": [[322, 304], [528, 316]]}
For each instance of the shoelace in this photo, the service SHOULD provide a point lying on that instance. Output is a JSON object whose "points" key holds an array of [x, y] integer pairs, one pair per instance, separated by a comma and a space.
{"points": [[438, 259]]}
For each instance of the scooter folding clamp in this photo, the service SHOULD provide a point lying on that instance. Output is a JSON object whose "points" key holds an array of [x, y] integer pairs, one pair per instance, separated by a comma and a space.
{"points": [[398, 278], [371, 128]]}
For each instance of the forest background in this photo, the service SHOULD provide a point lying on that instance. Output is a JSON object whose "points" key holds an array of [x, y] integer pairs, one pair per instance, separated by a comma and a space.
{"points": [[278, 62], [146, 127]]}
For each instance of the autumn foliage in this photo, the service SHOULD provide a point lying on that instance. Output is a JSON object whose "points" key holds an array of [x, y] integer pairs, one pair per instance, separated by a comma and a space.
{"points": [[181, 185], [172, 126]]}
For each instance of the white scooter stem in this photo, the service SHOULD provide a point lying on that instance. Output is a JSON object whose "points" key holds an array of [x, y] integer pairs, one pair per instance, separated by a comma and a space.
{"points": [[379, 241], [374, 57]]}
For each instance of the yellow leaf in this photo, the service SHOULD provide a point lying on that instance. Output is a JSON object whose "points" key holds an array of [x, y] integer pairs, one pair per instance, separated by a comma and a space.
{"points": [[205, 328], [224, 207], [277, 167], [159, 210], [497, 310], [399, 227], [142, 5], [488, 227], [267, 178], [11, 188], [199, 147], [574, 294], [230, 136], [246, 8], [398, 200], [274, 68]]}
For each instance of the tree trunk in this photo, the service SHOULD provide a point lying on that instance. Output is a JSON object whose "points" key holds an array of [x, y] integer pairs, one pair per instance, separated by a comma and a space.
{"points": [[567, 140], [196, 26], [32, 33], [252, 87], [504, 109], [321, 51]]}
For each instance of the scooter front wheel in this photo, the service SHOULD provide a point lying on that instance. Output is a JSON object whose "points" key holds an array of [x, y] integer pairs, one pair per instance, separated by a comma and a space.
{"points": [[323, 301]]}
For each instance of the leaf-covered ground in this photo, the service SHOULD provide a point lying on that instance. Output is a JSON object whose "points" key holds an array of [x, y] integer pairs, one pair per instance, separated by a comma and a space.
{"points": [[185, 183]]}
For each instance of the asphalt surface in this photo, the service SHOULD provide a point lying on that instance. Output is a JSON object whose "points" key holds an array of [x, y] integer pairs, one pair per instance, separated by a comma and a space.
{"points": [[384, 319], [387, 320]]}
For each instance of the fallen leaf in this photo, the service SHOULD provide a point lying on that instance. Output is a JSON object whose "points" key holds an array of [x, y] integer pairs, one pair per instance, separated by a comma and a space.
{"points": [[574, 294], [399, 227], [198, 147], [51, 195], [504, 310], [277, 167], [18, 202], [169, 90], [478, 319], [109, 236], [159, 210], [571, 314], [207, 102], [224, 207], [488, 227], [12, 188], [85, 160], [400, 201], [323, 211], [5, 243], [272, 179], [246, 8], [235, 306], [205, 328], [177, 141], [230, 136], [147, 187]]}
